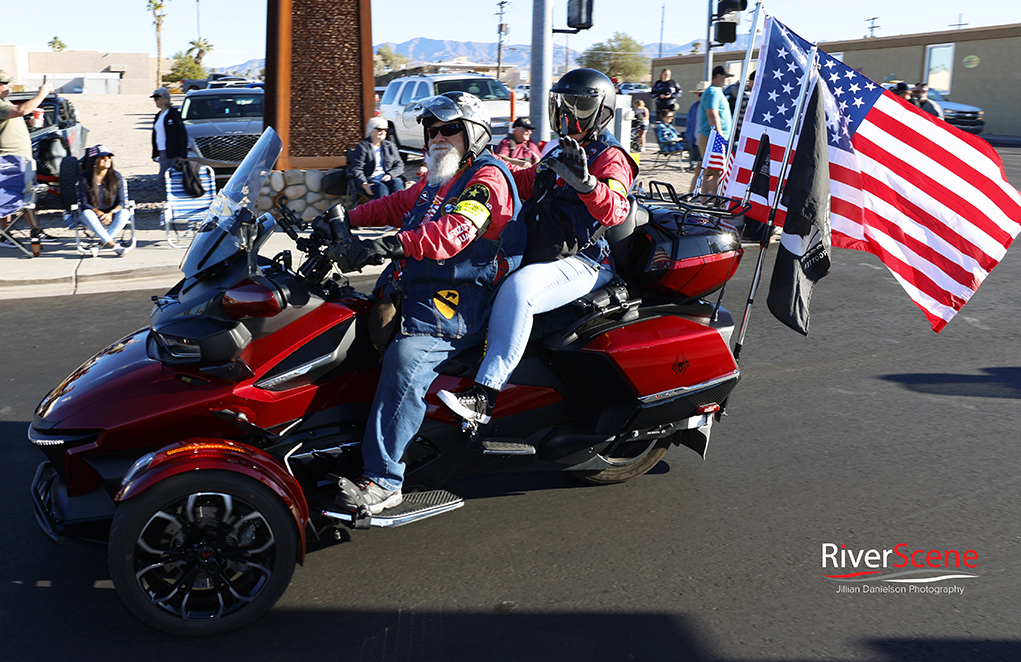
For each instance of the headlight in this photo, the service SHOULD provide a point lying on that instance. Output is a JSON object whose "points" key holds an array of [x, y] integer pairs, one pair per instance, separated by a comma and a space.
{"points": [[981, 113], [181, 348], [140, 465], [949, 114]]}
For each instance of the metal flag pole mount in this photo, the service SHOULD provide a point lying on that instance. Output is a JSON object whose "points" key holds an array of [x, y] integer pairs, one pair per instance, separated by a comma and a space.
{"points": [[768, 232], [731, 142]]}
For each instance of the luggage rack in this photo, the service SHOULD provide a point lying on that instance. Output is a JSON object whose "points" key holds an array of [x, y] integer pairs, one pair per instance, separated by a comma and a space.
{"points": [[718, 206]]}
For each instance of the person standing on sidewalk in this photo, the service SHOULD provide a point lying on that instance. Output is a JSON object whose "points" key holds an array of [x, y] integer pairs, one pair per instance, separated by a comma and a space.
{"points": [[14, 139], [169, 137], [714, 112]]}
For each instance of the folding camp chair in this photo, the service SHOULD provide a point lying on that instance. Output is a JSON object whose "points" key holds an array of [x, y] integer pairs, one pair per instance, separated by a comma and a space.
{"points": [[18, 192], [86, 241], [183, 213], [355, 193]]}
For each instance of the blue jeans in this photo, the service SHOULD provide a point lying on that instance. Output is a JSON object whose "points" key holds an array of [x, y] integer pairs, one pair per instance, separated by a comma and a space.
{"points": [[108, 235], [381, 188], [531, 290], [410, 365]]}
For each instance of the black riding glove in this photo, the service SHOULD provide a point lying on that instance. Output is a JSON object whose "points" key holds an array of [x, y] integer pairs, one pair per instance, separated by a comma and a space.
{"points": [[572, 166], [355, 253]]}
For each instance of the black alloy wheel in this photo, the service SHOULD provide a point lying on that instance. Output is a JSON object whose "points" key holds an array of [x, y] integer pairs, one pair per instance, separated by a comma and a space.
{"points": [[202, 553]]}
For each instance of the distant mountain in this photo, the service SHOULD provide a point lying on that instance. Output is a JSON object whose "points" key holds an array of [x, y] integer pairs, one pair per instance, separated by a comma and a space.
{"points": [[249, 68], [422, 50]]}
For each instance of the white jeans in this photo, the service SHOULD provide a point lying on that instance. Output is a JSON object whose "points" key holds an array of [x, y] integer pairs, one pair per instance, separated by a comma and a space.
{"points": [[107, 234], [536, 288]]}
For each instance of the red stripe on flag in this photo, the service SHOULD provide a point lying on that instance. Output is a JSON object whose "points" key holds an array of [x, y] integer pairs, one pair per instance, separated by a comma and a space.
{"points": [[922, 217], [937, 191], [917, 279], [953, 270], [952, 161]]}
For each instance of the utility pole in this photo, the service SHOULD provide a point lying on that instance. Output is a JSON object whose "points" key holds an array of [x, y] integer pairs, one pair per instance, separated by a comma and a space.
{"points": [[500, 32], [709, 44], [872, 25], [542, 66], [198, 22], [662, 18]]}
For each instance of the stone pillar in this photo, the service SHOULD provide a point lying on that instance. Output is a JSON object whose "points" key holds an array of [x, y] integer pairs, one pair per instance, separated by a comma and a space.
{"points": [[319, 78]]}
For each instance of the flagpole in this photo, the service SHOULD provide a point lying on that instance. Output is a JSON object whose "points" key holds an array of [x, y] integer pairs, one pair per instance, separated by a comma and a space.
{"points": [[806, 79], [731, 147]]}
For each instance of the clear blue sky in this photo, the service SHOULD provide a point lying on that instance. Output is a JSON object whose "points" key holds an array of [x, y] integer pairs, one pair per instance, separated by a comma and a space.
{"points": [[237, 29]]}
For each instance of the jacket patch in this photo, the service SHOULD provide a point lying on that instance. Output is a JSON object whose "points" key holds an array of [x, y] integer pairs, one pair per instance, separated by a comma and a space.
{"points": [[446, 302], [616, 186]]}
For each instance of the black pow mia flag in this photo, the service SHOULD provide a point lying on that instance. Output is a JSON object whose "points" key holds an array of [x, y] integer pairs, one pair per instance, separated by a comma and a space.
{"points": [[804, 253], [760, 169]]}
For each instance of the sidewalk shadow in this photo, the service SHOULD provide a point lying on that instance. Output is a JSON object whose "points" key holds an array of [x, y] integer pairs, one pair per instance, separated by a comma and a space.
{"points": [[996, 383]]}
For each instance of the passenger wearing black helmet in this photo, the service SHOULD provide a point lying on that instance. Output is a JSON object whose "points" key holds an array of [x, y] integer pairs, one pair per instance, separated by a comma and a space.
{"points": [[459, 236], [580, 187]]}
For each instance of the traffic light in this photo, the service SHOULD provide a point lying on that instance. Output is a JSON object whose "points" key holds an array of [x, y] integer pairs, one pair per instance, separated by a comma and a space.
{"points": [[725, 20], [579, 14]]}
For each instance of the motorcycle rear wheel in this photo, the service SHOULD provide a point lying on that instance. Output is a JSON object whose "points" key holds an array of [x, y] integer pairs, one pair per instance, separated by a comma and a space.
{"points": [[202, 553], [629, 460]]}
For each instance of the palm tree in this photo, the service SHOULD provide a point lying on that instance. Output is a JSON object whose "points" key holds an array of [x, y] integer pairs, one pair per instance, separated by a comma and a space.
{"points": [[198, 49], [56, 44], [156, 7]]}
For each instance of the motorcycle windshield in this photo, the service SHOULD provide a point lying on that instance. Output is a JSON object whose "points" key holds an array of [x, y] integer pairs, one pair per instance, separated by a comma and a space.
{"points": [[219, 236]]}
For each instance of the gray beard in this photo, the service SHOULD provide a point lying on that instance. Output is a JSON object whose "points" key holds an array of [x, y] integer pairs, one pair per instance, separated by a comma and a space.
{"points": [[443, 164]]}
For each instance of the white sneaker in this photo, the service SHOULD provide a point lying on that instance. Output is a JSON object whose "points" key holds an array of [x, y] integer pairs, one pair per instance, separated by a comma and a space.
{"points": [[119, 250]]}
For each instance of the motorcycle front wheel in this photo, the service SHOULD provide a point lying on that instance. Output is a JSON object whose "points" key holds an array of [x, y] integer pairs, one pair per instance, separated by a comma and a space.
{"points": [[202, 553], [628, 460]]}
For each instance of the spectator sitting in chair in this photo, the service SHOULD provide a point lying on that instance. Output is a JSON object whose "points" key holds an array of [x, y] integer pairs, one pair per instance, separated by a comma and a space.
{"points": [[666, 134], [101, 198], [376, 164], [518, 148]]}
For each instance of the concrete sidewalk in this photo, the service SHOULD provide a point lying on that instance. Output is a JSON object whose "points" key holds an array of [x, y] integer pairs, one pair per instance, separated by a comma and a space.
{"points": [[59, 270]]}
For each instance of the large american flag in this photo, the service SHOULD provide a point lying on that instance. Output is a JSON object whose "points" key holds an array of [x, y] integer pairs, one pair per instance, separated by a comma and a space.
{"points": [[932, 202]]}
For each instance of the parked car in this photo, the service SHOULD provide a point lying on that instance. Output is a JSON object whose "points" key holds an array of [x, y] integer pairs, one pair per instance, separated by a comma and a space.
{"points": [[215, 80], [634, 88], [402, 91], [964, 117], [58, 144], [223, 125], [522, 91]]}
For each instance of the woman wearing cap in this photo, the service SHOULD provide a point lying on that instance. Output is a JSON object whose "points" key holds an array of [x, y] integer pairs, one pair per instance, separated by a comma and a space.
{"points": [[691, 129], [101, 197], [169, 137], [375, 162]]}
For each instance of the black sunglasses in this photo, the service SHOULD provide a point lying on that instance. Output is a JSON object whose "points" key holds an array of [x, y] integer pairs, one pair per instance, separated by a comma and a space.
{"points": [[445, 130]]}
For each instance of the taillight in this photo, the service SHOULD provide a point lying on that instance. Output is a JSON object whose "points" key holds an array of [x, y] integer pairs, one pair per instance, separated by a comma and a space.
{"points": [[250, 299]]}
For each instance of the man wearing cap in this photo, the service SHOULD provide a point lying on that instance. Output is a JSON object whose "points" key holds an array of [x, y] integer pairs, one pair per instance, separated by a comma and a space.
{"points": [[903, 90], [714, 112], [14, 139], [518, 148], [169, 137], [691, 126]]}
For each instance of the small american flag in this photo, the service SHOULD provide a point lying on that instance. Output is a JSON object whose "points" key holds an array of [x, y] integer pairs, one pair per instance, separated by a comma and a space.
{"points": [[930, 201], [716, 155]]}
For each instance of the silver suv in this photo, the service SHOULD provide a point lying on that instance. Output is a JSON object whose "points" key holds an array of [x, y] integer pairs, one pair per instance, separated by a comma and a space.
{"points": [[402, 91], [223, 124]]}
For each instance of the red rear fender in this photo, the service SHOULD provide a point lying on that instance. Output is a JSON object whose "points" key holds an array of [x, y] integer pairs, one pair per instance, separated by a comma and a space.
{"points": [[218, 454]]}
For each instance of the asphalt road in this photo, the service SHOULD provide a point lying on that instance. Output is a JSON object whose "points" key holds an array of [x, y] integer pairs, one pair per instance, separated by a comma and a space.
{"points": [[869, 433]]}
